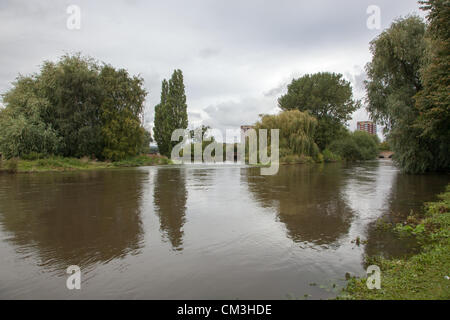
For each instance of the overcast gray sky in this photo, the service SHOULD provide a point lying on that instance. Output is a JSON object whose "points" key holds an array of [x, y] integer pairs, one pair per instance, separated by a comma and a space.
{"points": [[237, 56]]}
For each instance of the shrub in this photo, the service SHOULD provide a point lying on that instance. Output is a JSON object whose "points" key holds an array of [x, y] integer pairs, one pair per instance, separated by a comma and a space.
{"points": [[329, 156], [356, 146], [384, 146], [33, 156]]}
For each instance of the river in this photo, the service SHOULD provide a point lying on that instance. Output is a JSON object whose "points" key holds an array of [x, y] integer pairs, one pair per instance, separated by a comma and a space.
{"points": [[196, 232]]}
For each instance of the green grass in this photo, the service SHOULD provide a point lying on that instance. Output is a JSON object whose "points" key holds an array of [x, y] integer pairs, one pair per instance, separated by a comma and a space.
{"points": [[143, 161], [423, 276], [72, 164]]}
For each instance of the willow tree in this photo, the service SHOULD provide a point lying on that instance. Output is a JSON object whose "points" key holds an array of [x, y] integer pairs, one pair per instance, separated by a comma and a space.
{"points": [[394, 80], [433, 102], [297, 131]]}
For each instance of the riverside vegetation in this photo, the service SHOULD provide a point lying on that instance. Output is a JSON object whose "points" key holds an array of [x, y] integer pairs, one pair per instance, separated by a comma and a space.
{"points": [[55, 163], [423, 276], [77, 109], [407, 91]]}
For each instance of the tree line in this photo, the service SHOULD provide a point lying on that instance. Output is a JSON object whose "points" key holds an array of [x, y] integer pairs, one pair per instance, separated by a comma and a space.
{"points": [[73, 108], [77, 107]]}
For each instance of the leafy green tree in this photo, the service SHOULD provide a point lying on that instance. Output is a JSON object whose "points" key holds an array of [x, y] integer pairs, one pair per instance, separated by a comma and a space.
{"points": [[161, 129], [171, 112], [20, 136], [394, 81], [384, 146], [74, 107], [326, 96], [433, 102], [147, 139], [394, 72], [121, 108], [74, 94], [22, 129]]}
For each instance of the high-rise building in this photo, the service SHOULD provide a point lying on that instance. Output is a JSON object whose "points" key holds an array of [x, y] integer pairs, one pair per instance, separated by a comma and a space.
{"points": [[367, 126], [244, 130]]}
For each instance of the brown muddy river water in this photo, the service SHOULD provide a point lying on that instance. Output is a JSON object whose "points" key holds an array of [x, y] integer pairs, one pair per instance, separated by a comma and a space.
{"points": [[214, 232]]}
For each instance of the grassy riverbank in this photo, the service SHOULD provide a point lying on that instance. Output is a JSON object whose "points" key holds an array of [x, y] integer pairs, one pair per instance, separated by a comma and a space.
{"points": [[423, 276], [73, 164]]}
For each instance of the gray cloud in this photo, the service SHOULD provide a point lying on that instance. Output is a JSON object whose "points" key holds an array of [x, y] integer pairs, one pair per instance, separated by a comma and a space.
{"points": [[237, 56]]}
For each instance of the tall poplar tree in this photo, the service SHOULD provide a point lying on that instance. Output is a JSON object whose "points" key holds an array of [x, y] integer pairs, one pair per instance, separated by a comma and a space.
{"points": [[161, 118], [170, 113]]}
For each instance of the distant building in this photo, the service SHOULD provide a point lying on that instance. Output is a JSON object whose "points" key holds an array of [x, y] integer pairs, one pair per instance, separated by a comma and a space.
{"points": [[367, 126], [244, 129]]}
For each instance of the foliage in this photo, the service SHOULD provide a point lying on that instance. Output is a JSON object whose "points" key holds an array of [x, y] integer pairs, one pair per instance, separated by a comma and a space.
{"points": [[433, 102], [346, 148], [329, 156], [384, 146], [146, 140], [422, 276], [394, 72], [356, 146], [73, 108], [143, 160], [326, 96], [161, 129], [203, 132], [205, 140], [123, 103], [57, 163], [33, 156], [22, 127], [12, 165], [297, 131], [170, 113], [418, 134]]}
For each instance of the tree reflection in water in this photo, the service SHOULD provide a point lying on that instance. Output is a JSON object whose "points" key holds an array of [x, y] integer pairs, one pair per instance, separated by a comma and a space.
{"points": [[80, 219], [307, 199], [170, 196]]}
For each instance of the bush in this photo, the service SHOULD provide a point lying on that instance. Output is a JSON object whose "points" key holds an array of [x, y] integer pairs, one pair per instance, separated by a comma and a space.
{"points": [[356, 146], [329, 156], [384, 146], [346, 149], [367, 144], [20, 135], [33, 156], [319, 158]]}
